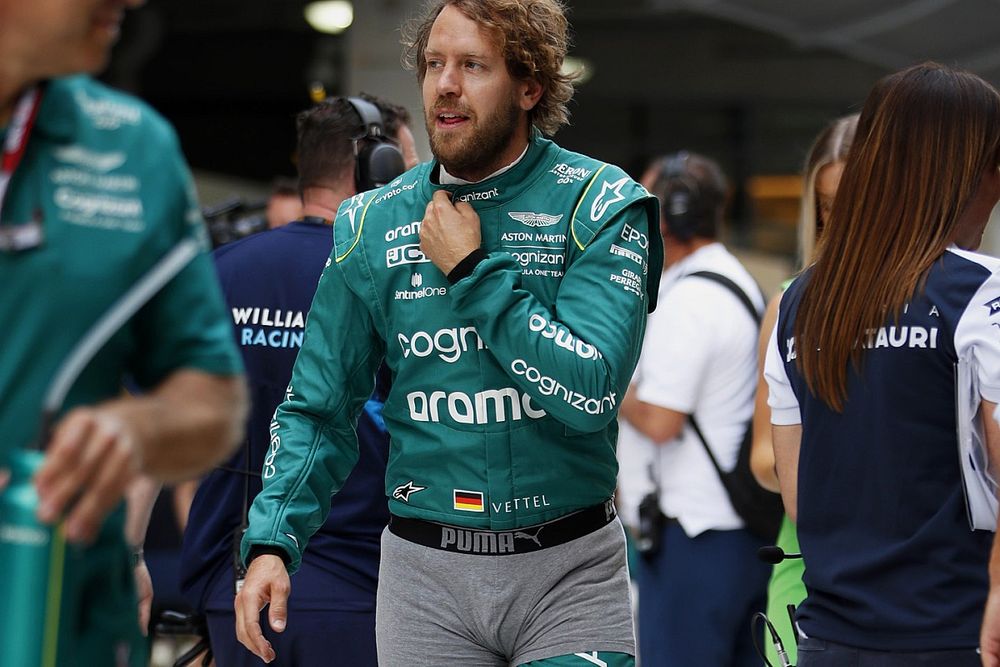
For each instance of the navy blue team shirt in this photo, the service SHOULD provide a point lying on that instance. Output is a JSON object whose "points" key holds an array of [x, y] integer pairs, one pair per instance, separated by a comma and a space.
{"points": [[891, 562], [269, 280]]}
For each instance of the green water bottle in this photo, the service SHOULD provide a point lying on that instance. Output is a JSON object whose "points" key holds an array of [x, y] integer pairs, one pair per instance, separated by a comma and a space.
{"points": [[62, 604], [32, 557]]}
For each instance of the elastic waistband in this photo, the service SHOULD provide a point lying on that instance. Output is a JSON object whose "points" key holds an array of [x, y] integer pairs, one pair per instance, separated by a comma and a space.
{"points": [[504, 542]]}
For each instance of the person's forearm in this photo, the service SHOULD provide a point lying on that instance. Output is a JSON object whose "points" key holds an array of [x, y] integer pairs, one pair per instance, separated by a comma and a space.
{"points": [[140, 496], [658, 424], [762, 449], [183, 498], [190, 422]]}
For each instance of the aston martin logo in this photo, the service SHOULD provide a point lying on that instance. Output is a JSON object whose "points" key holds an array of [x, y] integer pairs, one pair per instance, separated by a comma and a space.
{"points": [[535, 219], [403, 492]]}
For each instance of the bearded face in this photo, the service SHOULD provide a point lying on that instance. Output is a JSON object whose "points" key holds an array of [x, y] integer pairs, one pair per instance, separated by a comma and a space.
{"points": [[466, 142]]}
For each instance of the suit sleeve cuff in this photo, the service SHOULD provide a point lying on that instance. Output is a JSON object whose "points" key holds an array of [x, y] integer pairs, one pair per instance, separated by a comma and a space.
{"points": [[465, 268], [268, 550]]}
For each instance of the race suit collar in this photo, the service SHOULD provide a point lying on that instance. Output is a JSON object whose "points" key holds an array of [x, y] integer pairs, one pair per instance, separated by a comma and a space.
{"points": [[447, 179], [501, 188]]}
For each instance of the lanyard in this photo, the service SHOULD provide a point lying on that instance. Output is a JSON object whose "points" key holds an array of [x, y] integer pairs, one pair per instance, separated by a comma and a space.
{"points": [[16, 143]]}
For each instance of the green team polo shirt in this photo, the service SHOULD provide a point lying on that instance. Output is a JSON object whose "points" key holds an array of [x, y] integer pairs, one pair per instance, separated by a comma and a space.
{"points": [[506, 385], [105, 176]]}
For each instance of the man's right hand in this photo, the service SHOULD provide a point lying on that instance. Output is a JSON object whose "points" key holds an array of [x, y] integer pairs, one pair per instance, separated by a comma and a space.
{"points": [[267, 582]]}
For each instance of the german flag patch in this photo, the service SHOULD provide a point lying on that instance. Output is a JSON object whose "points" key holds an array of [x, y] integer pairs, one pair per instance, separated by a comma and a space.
{"points": [[469, 501]]}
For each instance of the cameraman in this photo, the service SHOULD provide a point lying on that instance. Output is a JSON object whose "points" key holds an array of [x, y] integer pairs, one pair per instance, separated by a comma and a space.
{"points": [[699, 580], [268, 280]]}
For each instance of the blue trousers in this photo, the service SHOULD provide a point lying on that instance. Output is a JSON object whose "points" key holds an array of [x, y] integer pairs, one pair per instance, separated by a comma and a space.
{"points": [[820, 653], [697, 597], [310, 638]]}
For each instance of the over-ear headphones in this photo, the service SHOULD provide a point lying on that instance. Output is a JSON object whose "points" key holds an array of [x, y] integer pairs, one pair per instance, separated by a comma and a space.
{"points": [[377, 160], [682, 206], [692, 191]]}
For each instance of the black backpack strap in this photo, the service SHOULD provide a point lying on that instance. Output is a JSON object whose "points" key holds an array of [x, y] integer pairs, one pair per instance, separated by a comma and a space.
{"points": [[754, 313], [704, 443], [732, 287]]}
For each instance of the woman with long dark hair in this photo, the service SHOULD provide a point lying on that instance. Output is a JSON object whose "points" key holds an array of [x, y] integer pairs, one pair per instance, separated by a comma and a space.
{"points": [[862, 386], [821, 178]]}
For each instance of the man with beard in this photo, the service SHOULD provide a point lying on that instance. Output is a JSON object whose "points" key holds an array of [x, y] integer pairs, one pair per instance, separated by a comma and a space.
{"points": [[506, 285]]}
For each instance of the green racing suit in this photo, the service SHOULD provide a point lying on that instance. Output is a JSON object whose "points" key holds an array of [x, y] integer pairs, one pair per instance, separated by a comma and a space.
{"points": [[506, 384]]}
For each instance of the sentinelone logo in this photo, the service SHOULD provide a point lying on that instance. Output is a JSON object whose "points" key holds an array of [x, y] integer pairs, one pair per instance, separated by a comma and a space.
{"points": [[409, 295]]}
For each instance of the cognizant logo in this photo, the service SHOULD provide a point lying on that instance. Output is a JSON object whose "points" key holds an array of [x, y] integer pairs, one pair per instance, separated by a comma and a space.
{"points": [[551, 387], [483, 407], [449, 344]]}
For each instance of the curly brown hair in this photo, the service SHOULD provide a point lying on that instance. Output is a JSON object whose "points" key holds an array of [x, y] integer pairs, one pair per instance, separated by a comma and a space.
{"points": [[533, 37]]}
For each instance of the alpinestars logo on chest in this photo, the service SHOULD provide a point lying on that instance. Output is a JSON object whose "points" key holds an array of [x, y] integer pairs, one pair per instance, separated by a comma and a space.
{"points": [[404, 491]]}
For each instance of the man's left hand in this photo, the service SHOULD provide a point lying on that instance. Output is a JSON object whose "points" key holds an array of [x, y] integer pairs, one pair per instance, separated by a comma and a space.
{"points": [[449, 232]]}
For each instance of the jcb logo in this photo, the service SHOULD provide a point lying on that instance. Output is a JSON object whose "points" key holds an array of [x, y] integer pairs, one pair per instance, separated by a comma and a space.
{"points": [[404, 254]]}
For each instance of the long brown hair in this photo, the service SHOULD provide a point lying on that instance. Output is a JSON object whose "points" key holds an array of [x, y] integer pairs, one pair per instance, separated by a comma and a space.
{"points": [[926, 136]]}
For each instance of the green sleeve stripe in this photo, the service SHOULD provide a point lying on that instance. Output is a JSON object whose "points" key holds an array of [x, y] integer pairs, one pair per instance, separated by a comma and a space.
{"points": [[361, 228], [572, 224]]}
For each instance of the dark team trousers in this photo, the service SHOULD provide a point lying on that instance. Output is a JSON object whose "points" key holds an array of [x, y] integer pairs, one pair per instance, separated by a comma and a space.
{"points": [[696, 598], [310, 638], [820, 653]]}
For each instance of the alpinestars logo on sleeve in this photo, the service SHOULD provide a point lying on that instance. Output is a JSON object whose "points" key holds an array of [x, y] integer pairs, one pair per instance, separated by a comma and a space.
{"points": [[404, 491]]}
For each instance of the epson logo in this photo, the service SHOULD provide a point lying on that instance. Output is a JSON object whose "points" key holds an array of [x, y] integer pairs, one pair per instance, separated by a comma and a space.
{"points": [[562, 337], [630, 233], [405, 254], [449, 344], [484, 407]]}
